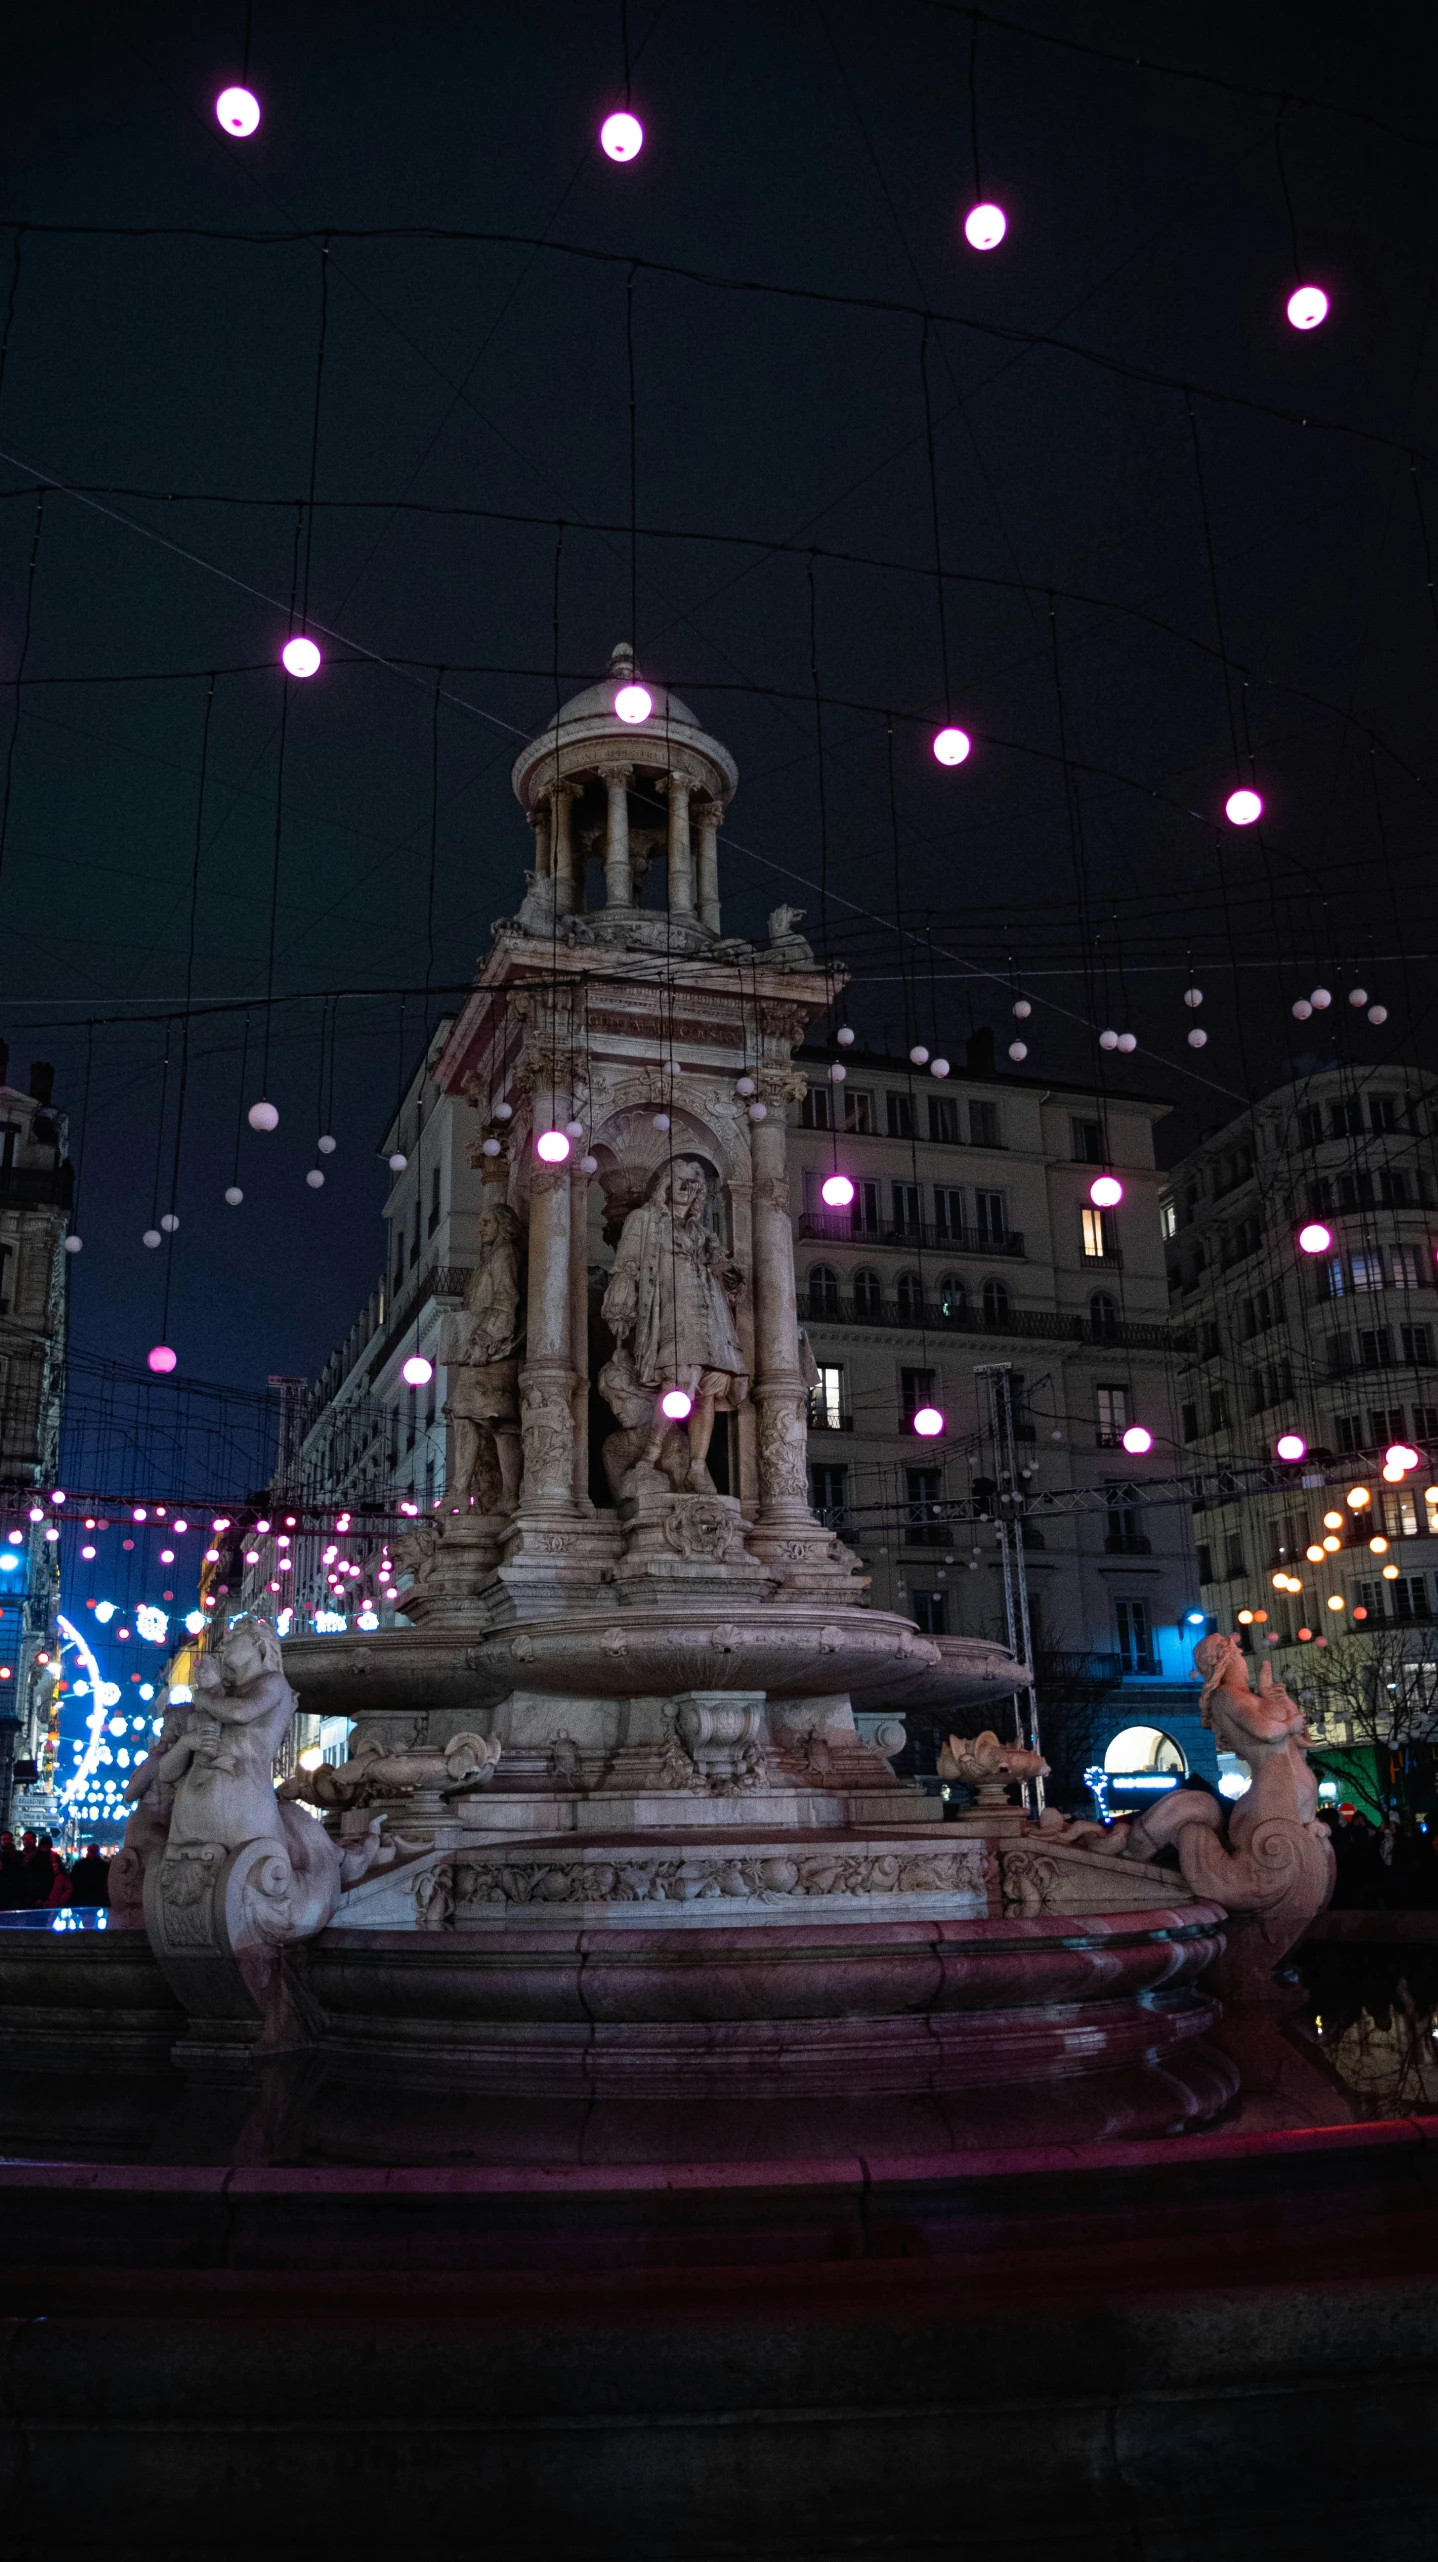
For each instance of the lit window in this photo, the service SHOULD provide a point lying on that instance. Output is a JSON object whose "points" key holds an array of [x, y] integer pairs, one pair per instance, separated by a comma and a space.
{"points": [[1098, 1233]]}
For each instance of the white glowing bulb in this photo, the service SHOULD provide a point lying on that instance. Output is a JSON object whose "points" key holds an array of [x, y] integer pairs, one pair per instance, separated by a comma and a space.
{"points": [[838, 1072], [574, 1129], [238, 110], [1018, 1051], [315, 1179], [1137, 1439], [621, 136], [1242, 807], [552, 1146], [327, 1145], [504, 1111], [1290, 1446], [1193, 996], [1307, 307], [1105, 1192], [846, 1036], [1108, 1040], [676, 1403], [233, 1195], [938, 1067], [151, 1237], [837, 1191], [928, 1423], [1302, 1010], [169, 1223], [417, 1372], [73, 1245], [661, 1120], [919, 1055], [633, 703], [589, 1165], [1197, 1039], [1377, 1013], [1358, 996], [951, 745], [1022, 1009], [301, 655], [758, 1111], [1128, 1042], [490, 1147], [1319, 998], [263, 1116], [984, 226], [744, 1085]]}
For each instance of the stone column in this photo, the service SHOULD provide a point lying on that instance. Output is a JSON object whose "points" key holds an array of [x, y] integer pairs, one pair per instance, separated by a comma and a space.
{"points": [[710, 815], [539, 821], [618, 871], [545, 1382], [565, 900], [779, 1396], [681, 852], [579, 1331]]}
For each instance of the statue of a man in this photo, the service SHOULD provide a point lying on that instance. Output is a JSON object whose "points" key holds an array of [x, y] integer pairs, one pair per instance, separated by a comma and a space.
{"points": [[669, 1303], [482, 1357]]}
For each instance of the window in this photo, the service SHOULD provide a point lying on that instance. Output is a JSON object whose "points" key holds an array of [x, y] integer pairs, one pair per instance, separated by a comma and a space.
{"points": [[1135, 1639], [826, 1398], [930, 1613], [1112, 1409], [823, 1290], [1382, 1114], [1375, 1349], [991, 1217], [1393, 1188], [865, 1213], [868, 1294], [7, 1257], [953, 1299], [1098, 1235], [1217, 1410], [916, 1388], [414, 1240], [1403, 1267], [1310, 1126], [924, 1525], [9, 1141], [1209, 1343], [1188, 1420], [1345, 1120], [1385, 1424], [900, 1111], [1168, 1219], [948, 1212], [829, 1495], [1410, 1597], [1368, 1272], [1088, 1144], [907, 1220], [1123, 1533], [1320, 1198], [911, 1297], [1417, 1342], [1237, 1568], [996, 1304], [984, 1125], [944, 1119], [830, 1107], [1103, 1317], [858, 1111], [1205, 1562], [433, 1200], [1332, 1280], [1400, 1512], [1425, 1424], [814, 1111], [1348, 1431]]}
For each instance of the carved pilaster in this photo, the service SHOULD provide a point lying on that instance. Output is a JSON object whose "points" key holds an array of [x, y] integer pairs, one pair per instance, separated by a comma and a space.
{"points": [[681, 851], [618, 870], [778, 1382], [561, 801], [710, 815]]}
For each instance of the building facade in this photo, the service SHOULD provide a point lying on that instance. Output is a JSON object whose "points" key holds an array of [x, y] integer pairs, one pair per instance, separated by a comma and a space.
{"points": [[1337, 1346], [36, 1186]]}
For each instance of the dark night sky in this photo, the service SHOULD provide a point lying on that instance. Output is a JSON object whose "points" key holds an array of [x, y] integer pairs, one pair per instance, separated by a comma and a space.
{"points": [[825, 149]]}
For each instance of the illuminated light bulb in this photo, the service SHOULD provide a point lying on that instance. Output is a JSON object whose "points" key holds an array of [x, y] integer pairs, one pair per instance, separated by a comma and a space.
{"points": [[160, 1358], [574, 1129], [315, 1179], [1280, 1580], [985, 225], [327, 1145], [490, 1147], [1430, 1494], [233, 1195], [1291, 1446], [846, 1036], [417, 1372], [1108, 1038], [1335, 1601], [1377, 1013], [1332, 1545], [1262, 1617], [1314, 1237], [1023, 1009], [952, 745], [1307, 306], [633, 703], [1243, 807], [1198, 1040], [1357, 1497], [1018, 1051], [263, 1116], [87, 1553], [73, 1245], [1390, 1574], [744, 1085], [1358, 996], [169, 1223], [1333, 1521], [938, 1067], [1245, 1619], [918, 1055], [151, 1237], [1302, 1010], [589, 1165], [661, 1121], [1128, 1041], [1314, 1553], [677, 1404], [1320, 998], [1378, 1546], [504, 1111], [301, 656], [837, 1191], [621, 136], [838, 1072], [1138, 1438], [398, 1161], [1305, 1635], [1193, 996], [238, 110], [1401, 1455], [1392, 1476], [1105, 1192], [758, 1111], [928, 1423]]}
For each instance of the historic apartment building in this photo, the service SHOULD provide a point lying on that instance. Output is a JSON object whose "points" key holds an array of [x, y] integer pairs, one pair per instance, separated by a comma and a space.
{"points": [[36, 1182], [1338, 1346]]}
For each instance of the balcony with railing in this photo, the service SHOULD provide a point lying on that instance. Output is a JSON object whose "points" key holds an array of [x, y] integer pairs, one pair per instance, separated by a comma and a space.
{"points": [[438, 1281], [841, 1227], [978, 1317]]}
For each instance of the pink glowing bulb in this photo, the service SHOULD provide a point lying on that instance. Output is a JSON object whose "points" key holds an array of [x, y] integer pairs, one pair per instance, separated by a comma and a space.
{"points": [[951, 746], [1105, 1192], [985, 225], [1307, 307], [1242, 808], [677, 1404], [1315, 1238], [161, 1358], [1137, 1439], [238, 110], [928, 1423], [301, 655], [633, 703], [621, 136], [1401, 1456], [1290, 1446], [552, 1146], [417, 1372], [837, 1191]]}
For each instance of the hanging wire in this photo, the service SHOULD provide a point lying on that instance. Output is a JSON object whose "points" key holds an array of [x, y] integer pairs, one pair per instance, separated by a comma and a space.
{"points": [[1287, 195], [240, 1109], [19, 674], [315, 423], [633, 470], [934, 518]]}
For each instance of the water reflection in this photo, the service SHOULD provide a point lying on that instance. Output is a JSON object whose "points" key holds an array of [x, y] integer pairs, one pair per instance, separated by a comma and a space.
{"points": [[1372, 2014]]}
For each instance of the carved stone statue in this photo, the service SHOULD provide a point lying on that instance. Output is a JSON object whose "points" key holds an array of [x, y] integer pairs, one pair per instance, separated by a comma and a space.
{"points": [[481, 1352], [1278, 1864], [669, 1304]]}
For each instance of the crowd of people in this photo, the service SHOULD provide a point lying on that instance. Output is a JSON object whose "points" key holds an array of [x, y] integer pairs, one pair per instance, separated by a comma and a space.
{"points": [[1390, 1866], [33, 1874]]}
